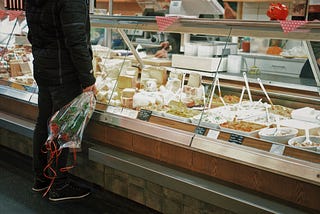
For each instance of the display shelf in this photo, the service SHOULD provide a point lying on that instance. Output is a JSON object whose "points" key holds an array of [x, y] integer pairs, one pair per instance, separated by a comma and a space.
{"points": [[175, 143], [218, 27]]}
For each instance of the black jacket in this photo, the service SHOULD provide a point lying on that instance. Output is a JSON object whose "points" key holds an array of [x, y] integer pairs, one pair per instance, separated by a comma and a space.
{"points": [[59, 32]]}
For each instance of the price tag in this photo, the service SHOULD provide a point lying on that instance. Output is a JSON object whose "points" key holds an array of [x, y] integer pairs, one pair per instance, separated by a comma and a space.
{"points": [[213, 134], [234, 138], [200, 130], [129, 113], [114, 109], [277, 149], [144, 114]]}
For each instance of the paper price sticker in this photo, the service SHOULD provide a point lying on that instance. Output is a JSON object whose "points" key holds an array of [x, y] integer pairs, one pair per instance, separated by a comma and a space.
{"points": [[213, 134], [129, 113], [114, 109]]}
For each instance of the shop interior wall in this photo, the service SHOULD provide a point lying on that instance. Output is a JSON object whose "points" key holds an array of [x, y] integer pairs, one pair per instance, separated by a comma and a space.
{"points": [[125, 7]]}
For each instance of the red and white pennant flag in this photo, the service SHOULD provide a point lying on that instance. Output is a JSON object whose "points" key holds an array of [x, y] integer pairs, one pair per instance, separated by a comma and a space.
{"points": [[291, 25], [13, 14], [164, 22]]}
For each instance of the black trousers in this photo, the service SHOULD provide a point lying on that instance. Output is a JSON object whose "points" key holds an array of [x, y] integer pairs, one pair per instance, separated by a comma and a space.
{"points": [[51, 99]]}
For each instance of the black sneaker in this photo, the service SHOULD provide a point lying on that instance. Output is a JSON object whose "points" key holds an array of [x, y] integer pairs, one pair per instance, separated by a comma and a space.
{"points": [[68, 191], [40, 184]]}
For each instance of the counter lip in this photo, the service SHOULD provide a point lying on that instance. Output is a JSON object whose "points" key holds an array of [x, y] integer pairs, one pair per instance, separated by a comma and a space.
{"points": [[282, 165]]}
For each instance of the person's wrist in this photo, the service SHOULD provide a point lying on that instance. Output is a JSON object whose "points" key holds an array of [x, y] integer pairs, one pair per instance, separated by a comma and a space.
{"points": [[169, 48]]}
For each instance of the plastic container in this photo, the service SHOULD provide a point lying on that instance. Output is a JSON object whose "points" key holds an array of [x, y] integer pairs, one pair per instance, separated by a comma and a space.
{"points": [[245, 45], [281, 135], [259, 45], [234, 63]]}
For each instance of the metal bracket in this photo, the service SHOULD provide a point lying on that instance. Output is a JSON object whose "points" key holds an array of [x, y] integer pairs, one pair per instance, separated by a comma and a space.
{"points": [[313, 62], [129, 44]]}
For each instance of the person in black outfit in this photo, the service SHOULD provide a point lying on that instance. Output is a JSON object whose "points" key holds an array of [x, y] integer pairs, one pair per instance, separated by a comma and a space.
{"points": [[59, 32]]}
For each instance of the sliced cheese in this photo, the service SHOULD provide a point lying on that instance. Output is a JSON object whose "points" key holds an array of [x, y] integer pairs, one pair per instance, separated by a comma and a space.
{"points": [[158, 73], [128, 92], [125, 81]]}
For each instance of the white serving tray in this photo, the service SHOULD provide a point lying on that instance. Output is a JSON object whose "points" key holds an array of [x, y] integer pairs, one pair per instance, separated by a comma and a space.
{"points": [[210, 64]]}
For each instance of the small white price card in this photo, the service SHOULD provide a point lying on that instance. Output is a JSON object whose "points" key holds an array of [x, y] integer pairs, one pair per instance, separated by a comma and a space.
{"points": [[213, 134], [114, 109], [277, 149], [129, 113]]}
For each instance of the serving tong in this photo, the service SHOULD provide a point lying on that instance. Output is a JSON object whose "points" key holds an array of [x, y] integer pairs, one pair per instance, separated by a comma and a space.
{"points": [[307, 141]]}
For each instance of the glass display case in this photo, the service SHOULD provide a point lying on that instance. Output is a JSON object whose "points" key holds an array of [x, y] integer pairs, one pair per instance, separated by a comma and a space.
{"points": [[255, 117]]}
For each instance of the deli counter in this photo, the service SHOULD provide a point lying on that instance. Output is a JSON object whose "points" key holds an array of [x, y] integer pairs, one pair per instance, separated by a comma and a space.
{"points": [[198, 132]]}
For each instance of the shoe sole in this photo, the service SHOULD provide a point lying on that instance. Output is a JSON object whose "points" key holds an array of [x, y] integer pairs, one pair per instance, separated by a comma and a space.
{"points": [[69, 198], [39, 190]]}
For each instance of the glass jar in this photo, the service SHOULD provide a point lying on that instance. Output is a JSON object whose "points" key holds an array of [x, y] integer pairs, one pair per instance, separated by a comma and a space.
{"points": [[245, 44]]}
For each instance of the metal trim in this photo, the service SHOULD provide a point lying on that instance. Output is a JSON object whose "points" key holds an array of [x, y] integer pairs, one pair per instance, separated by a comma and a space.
{"points": [[16, 125]]}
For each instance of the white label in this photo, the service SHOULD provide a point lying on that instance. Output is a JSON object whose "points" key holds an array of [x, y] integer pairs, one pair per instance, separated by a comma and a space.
{"points": [[213, 134], [277, 149], [114, 109], [129, 113]]}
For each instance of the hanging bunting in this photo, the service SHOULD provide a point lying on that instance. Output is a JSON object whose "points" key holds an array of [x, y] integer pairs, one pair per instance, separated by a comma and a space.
{"points": [[164, 22], [291, 25], [3, 14], [13, 14]]}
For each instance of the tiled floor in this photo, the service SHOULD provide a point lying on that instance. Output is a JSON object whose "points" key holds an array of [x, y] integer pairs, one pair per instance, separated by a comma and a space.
{"points": [[16, 195]]}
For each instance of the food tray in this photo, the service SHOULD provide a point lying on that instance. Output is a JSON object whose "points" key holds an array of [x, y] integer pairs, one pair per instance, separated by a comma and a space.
{"points": [[254, 132]]}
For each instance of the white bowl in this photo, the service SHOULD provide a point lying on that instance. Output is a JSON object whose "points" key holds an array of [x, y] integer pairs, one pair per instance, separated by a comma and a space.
{"points": [[297, 142], [281, 135]]}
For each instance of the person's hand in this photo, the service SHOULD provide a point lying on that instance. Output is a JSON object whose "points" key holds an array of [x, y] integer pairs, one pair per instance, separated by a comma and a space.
{"points": [[229, 13], [92, 88], [161, 53], [165, 45]]}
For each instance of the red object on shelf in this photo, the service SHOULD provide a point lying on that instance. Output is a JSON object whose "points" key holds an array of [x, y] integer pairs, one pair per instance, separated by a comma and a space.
{"points": [[246, 46], [278, 11]]}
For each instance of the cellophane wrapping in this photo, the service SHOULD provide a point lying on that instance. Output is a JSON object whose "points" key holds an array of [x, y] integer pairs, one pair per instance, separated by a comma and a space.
{"points": [[67, 125]]}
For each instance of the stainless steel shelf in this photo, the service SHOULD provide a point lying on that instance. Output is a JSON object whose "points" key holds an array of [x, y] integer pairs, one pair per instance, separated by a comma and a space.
{"points": [[218, 27]]}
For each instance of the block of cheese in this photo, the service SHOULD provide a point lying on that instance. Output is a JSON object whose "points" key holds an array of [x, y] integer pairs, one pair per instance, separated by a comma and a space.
{"points": [[102, 96], [194, 80], [173, 84], [130, 71], [158, 73], [125, 81], [128, 92], [176, 74], [25, 68], [15, 69], [112, 67]]}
